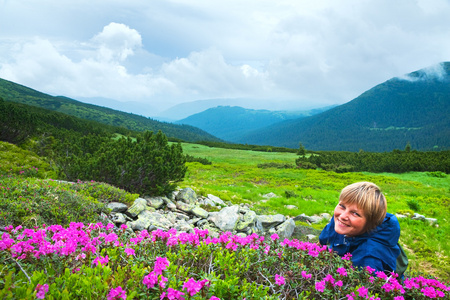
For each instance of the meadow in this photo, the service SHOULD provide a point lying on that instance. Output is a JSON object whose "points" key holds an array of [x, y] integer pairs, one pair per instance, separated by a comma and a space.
{"points": [[53, 245], [234, 176]]}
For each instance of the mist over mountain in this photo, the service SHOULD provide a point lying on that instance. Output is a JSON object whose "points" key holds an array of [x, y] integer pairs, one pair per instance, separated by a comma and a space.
{"points": [[414, 108], [184, 110], [230, 123]]}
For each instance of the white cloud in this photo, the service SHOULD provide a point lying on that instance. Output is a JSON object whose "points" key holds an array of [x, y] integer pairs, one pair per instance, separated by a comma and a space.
{"points": [[319, 52], [117, 42]]}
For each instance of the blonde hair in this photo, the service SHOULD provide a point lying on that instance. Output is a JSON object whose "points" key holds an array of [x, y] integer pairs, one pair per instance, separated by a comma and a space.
{"points": [[366, 196]]}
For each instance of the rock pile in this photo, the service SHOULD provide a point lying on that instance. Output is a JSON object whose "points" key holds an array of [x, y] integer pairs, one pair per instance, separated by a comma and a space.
{"points": [[184, 212]]}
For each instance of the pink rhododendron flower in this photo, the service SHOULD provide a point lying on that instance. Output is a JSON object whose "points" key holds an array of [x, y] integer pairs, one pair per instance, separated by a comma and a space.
{"points": [[162, 281], [117, 293], [274, 237], [215, 298], [161, 264], [129, 251], [363, 292], [320, 285], [381, 274], [279, 279], [100, 260], [192, 286], [399, 298], [41, 290], [172, 294], [351, 296], [150, 280], [347, 256], [342, 271], [305, 275]]}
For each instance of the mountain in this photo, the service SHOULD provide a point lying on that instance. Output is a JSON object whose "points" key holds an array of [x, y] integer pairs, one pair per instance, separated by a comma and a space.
{"points": [[410, 109], [231, 122], [184, 110], [14, 92], [133, 107]]}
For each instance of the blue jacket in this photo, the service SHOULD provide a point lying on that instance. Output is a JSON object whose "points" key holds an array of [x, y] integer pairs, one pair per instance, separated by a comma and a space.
{"points": [[377, 249]]}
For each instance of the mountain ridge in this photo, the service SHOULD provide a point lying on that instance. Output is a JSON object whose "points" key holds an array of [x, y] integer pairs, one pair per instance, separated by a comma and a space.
{"points": [[231, 122], [412, 109], [14, 92]]}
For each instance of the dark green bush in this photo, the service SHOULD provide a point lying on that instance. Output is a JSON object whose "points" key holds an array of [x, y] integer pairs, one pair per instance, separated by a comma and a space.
{"points": [[275, 165], [203, 161], [147, 165]]}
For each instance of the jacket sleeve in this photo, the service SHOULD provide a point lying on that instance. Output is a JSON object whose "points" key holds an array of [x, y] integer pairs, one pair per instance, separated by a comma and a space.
{"points": [[325, 237]]}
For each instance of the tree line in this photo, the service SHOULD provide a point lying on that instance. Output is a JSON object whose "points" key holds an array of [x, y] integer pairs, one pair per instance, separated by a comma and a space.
{"points": [[396, 161]]}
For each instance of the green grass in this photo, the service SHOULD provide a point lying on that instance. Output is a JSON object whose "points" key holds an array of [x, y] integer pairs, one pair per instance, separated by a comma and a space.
{"points": [[234, 176]]}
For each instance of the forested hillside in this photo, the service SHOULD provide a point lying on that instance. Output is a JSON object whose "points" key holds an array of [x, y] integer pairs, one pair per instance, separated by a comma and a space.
{"points": [[231, 122], [13, 92], [414, 109]]}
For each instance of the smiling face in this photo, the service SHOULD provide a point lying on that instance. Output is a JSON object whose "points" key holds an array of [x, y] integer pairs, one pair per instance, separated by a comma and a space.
{"points": [[349, 220]]}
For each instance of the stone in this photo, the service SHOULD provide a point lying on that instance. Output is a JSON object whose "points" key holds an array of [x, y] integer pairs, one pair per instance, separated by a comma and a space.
{"points": [[216, 200], [156, 202], [117, 207], [269, 195], [291, 206], [183, 226], [226, 219], [285, 229], [209, 202], [138, 206], [244, 209], [184, 206], [117, 218], [265, 222], [431, 220], [308, 219], [195, 220], [170, 205], [200, 212], [418, 217], [326, 216], [186, 195], [212, 231], [400, 216], [181, 216], [247, 220], [311, 237], [147, 218]]}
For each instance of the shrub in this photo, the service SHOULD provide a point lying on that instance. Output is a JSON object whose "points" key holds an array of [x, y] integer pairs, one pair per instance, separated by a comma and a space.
{"points": [[96, 261], [32, 201], [437, 174], [305, 165], [290, 194], [14, 160], [275, 165], [147, 165], [201, 160], [413, 204]]}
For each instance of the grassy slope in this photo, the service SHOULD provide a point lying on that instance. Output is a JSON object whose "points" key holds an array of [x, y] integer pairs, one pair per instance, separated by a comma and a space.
{"points": [[234, 176]]}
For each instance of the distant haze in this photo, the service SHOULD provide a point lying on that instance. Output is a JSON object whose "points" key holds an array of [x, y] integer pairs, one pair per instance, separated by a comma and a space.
{"points": [[287, 54]]}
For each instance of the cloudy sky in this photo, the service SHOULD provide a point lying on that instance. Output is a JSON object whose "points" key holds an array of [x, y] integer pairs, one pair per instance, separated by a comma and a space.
{"points": [[164, 52]]}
